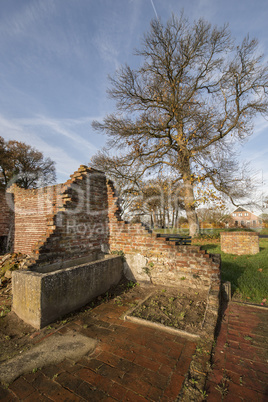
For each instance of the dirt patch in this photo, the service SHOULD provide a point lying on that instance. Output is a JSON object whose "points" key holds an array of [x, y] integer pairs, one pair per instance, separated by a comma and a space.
{"points": [[173, 308], [14, 333]]}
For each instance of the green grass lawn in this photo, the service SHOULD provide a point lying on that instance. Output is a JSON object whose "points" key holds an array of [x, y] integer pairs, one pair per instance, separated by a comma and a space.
{"points": [[248, 274], [264, 231]]}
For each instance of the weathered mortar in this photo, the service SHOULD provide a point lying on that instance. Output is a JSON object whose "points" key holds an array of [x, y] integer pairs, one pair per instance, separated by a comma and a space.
{"points": [[240, 243]]}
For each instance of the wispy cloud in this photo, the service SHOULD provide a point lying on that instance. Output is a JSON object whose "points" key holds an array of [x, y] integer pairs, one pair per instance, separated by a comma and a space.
{"points": [[105, 46], [117, 27], [41, 132], [61, 127], [260, 127], [256, 158], [34, 28], [20, 21]]}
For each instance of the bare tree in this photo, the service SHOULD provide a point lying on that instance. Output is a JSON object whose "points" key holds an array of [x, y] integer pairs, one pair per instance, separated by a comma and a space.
{"points": [[214, 215], [194, 96], [160, 200], [24, 165]]}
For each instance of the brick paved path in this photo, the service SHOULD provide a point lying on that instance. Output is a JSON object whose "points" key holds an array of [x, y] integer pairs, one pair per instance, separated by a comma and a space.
{"points": [[241, 356], [131, 363]]}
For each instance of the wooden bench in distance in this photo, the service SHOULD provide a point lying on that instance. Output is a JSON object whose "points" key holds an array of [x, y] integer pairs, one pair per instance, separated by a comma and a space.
{"points": [[180, 240]]}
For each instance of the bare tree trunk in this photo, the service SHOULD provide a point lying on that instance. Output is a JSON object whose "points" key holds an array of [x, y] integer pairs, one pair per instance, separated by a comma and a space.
{"points": [[159, 217], [173, 218], [189, 201], [176, 217], [168, 218], [155, 223]]}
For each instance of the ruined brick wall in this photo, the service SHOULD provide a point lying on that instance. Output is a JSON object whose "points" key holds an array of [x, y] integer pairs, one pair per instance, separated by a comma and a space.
{"points": [[33, 209], [149, 258], [5, 214], [240, 243], [64, 221], [82, 217], [6, 221], [80, 227]]}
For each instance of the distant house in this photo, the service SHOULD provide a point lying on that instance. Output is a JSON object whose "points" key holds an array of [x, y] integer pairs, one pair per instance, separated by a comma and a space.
{"points": [[243, 218]]}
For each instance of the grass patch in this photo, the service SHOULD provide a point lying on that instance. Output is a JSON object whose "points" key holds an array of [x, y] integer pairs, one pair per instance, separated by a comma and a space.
{"points": [[172, 231], [206, 237], [248, 274], [264, 231]]}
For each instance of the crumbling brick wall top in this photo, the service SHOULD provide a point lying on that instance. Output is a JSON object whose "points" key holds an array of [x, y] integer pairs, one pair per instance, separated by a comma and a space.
{"points": [[64, 221]]}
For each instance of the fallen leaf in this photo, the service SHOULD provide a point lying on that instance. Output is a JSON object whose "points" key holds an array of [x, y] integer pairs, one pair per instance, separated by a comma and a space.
{"points": [[260, 270]]}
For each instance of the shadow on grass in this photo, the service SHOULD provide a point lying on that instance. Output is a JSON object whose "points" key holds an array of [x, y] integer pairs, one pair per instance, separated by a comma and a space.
{"points": [[208, 247], [230, 271]]}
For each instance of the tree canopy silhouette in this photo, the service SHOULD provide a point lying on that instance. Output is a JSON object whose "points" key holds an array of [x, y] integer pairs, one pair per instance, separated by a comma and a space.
{"points": [[22, 164]]}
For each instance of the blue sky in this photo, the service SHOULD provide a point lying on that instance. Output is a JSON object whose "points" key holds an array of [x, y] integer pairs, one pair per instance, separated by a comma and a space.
{"points": [[57, 54]]}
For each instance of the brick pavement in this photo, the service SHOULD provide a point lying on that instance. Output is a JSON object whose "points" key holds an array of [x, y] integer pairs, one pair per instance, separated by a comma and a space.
{"points": [[136, 363], [131, 363], [240, 370]]}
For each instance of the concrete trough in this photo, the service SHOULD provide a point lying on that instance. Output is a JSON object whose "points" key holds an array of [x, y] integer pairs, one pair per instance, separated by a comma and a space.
{"points": [[40, 298]]}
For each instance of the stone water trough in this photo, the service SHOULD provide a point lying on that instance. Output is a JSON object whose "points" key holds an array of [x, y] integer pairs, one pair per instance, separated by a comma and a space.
{"points": [[42, 296]]}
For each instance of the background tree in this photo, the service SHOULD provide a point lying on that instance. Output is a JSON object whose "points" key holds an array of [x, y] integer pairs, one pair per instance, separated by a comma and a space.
{"points": [[214, 215], [159, 202], [156, 201], [265, 202], [264, 218], [194, 95], [24, 165]]}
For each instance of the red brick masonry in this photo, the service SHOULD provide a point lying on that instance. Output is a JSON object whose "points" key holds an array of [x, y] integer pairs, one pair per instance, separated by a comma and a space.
{"points": [[240, 242], [64, 221], [164, 262], [240, 369], [5, 213]]}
